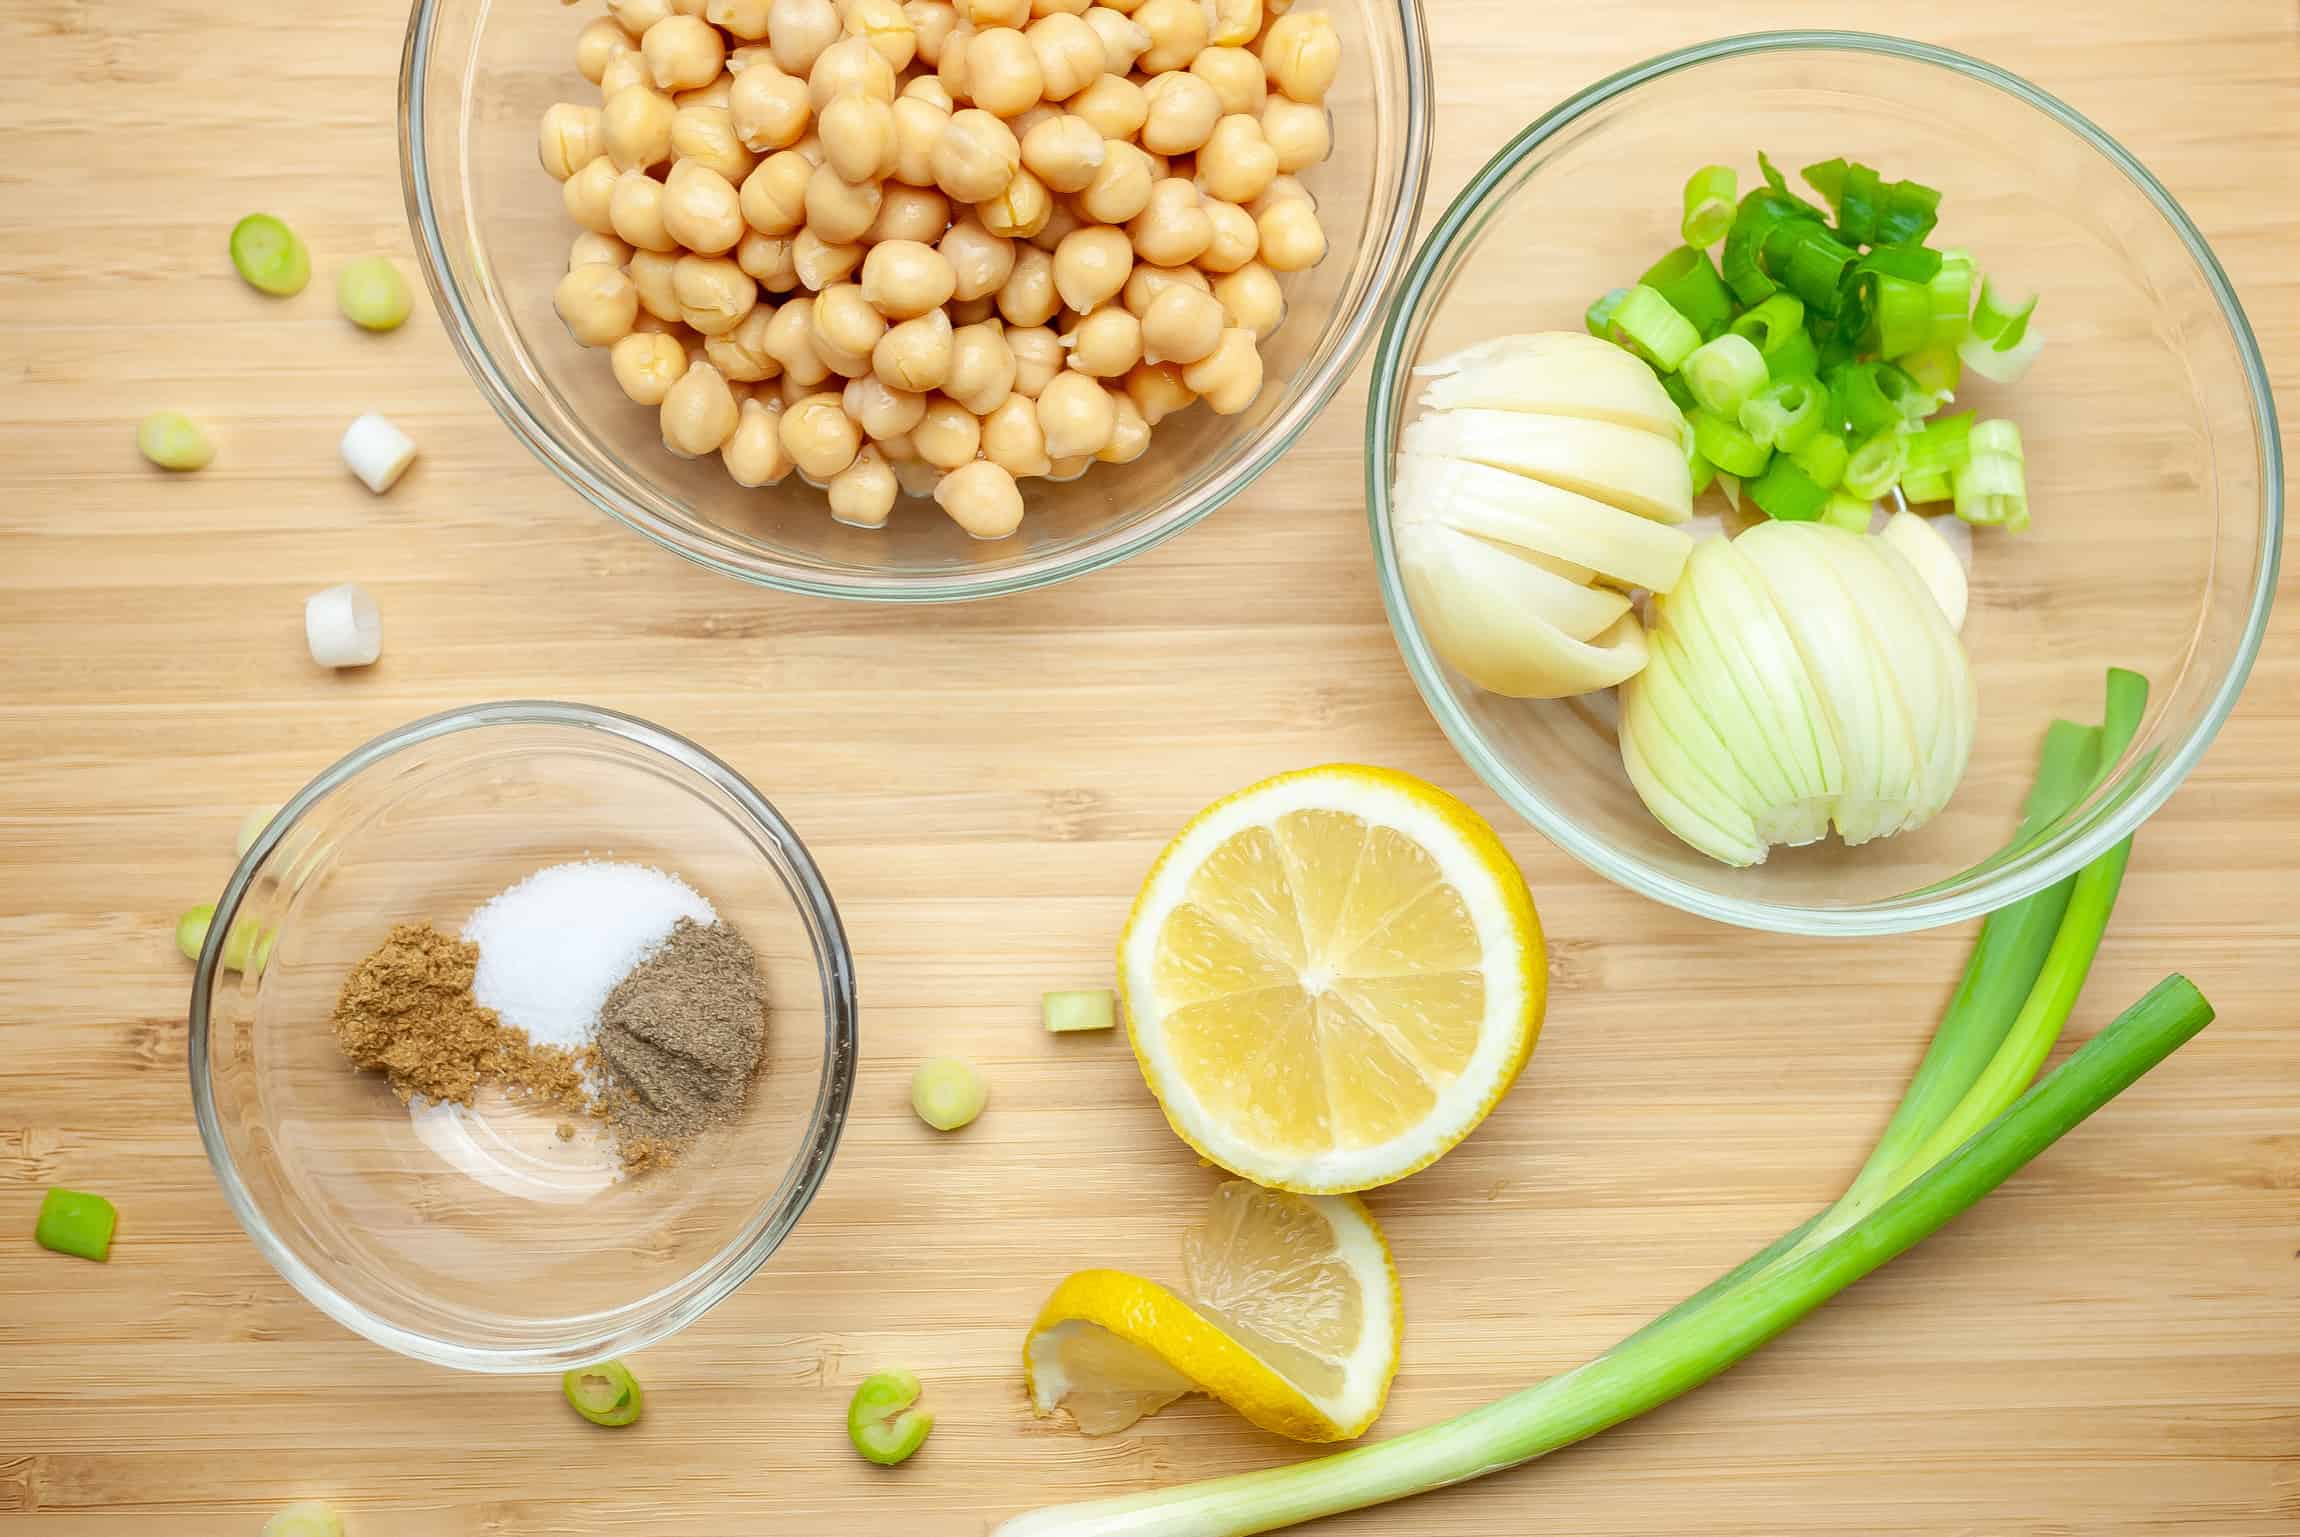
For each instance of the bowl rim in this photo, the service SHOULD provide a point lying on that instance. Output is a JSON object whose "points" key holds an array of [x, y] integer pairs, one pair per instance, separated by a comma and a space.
{"points": [[1925, 908], [672, 1307], [1278, 435]]}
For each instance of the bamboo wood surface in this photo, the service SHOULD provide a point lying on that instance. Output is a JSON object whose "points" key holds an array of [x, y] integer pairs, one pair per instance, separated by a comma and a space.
{"points": [[2111, 1344]]}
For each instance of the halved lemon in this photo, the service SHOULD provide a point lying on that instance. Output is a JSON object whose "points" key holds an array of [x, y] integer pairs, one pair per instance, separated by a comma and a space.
{"points": [[1331, 977], [1294, 1320]]}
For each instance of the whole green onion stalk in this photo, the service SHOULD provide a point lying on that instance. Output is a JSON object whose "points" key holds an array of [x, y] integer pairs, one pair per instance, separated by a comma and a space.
{"points": [[1968, 1122]]}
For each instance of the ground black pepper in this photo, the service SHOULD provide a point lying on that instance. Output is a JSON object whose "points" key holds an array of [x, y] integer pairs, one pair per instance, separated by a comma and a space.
{"points": [[679, 1039]]}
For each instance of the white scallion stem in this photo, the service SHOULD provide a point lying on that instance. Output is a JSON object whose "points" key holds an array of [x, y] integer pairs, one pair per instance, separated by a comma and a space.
{"points": [[343, 627], [377, 452]]}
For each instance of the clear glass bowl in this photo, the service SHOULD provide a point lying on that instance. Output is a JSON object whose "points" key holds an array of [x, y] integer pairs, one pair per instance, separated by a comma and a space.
{"points": [[493, 237], [2152, 450], [481, 1240]]}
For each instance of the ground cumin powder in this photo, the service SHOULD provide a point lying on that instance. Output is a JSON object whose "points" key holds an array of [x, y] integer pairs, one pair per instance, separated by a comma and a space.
{"points": [[679, 1039]]}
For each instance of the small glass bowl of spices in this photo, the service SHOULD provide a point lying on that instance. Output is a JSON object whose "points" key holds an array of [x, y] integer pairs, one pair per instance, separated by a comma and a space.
{"points": [[545, 1040]]}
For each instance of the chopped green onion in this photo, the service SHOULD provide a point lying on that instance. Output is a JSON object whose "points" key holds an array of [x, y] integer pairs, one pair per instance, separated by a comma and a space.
{"points": [[270, 255], [1932, 483], [1787, 415], [1709, 204], [372, 294], [1646, 324], [1744, 264], [1675, 387], [1995, 437], [1089, 1009], [1859, 202], [1908, 213], [1704, 473], [883, 1418], [1824, 459], [1936, 451], [1900, 316], [1723, 373], [2000, 325], [947, 1093], [1870, 397], [244, 949], [1599, 319], [1827, 177], [173, 441], [1876, 465], [1951, 291], [1937, 371], [2000, 367], [1851, 513], [305, 1518], [1725, 445], [76, 1223], [1809, 261], [606, 1394], [1773, 323], [1992, 485], [1788, 493], [1688, 279]]}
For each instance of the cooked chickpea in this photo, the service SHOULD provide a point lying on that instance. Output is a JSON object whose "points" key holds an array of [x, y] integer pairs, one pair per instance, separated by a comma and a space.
{"points": [[1146, 282], [820, 436], [996, 13], [597, 302], [746, 19], [1121, 187], [886, 27], [913, 474], [1123, 39], [1037, 354], [1237, 238], [789, 392], [862, 495], [931, 22], [1108, 342], [850, 64], [790, 341], [569, 138], [1236, 76], [1237, 164], [906, 278], [706, 136], [1129, 437], [1075, 414], [1012, 438], [976, 156], [1183, 111], [1020, 211], [1298, 130], [717, 94], [770, 109], [1064, 152], [980, 262], [683, 52], [1070, 54], [950, 71], [754, 453], [750, 55], [698, 412], [714, 294], [1002, 73], [838, 210], [636, 210], [810, 147], [1301, 53], [1058, 7], [599, 43], [909, 213], [701, 209], [819, 263], [1113, 106], [1091, 265], [1028, 296], [929, 89], [1173, 228], [916, 356], [769, 258], [741, 354], [635, 127], [1056, 229], [981, 498], [1158, 391], [858, 137], [918, 124], [1181, 326], [981, 368], [1229, 377], [1282, 189], [947, 435], [638, 15], [651, 273], [1292, 238], [845, 324], [591, 246], [1177, 31], [1071, 468], [799, 31], [881, 412], [1237, 22], [646, 364]]}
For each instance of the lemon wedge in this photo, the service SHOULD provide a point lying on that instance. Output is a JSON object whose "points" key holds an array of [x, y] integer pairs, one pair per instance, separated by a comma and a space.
{"points": [[1294, 1320], [1331, 977]]}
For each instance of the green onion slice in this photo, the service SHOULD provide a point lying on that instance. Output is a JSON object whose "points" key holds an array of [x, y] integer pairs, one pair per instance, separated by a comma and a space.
{"points": [[76, 1223], [1851, 513], [1786, 415], [1726, 446], [1788, 493], [1876, 465], [1824, 459], [1647, 325], [1688, 279], [884, 1421], [1951, 290], [2001, 325], [1772, 324], [1599, 318], [270, 255], [1723, 373], [1709, 205], [1870, 397], [605, 1394]]}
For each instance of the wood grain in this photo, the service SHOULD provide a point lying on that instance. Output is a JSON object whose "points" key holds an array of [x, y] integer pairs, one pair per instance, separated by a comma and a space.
{"points": [[2112, 1344]]}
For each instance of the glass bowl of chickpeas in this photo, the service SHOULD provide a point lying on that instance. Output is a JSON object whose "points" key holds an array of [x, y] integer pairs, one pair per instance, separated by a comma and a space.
{"points": [[913, 300]]}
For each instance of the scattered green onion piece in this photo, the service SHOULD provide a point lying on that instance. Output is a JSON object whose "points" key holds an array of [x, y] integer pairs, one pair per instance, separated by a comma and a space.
{"points": [[1771, 324], [1936, 452], [1723, 373], [1089, 1009], [1836, 351], [1795, 358], [173, 441], [1827, 177], [1997, 367], [1787, 415], [270, 256], [1929, 483], [243, 950], [1778, 186], [372, 294], [1851, 513], [2001, 325], [305, 1518], [1951, 291], [1937, 371], [1809, 261], [1824, 459], [883, 1418], [1913, 263], [1788, 493], [1992, 485], [947, 1093], [1675, 387], [1908, 212], [1599, 318], [1859, 202], [1870, 397], [1900, 316], [1725, 445], [1743, 263], [76, 1223], [1995, 437], [1688, 279], [1704, 473], [1709, 205], [1876, 465], [605, 1394], [1647, 325]]}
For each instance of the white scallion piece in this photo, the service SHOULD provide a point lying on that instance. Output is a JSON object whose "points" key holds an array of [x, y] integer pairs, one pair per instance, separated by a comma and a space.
{"points": [[343, 627], [377, 452]]}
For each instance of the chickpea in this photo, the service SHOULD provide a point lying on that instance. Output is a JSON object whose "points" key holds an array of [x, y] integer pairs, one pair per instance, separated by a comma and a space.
{"points": [[819, 263], [746, 19], [981, 369], [1282, 189], [625, 72], [637, 16], [1071, 468], [929, 89], [838, 210], [1113, 106], [655, 326], [1057, 228], [1076, 415], [810, 147], [768, 258], [1037, 356], [769, 108], [1173, 228], [916, 356], [1030, 117], [972, 312], [1229, 377], [753, 453], [882, 413], [950, 71], [947, 435], [1181, 326], [1298, 130], [1108, 342], [799, 31], [1058, 7], [636, 210], [569, 138], [886, 27], [1237, 238], [1121, 186], [1064, 152], [1237, 164], [1177, 29], [597, 302], [701, 209], [698, 413], [858, 137], [980, 262], [1019, 212], [862, 495], [1183, 111], [647, 364], [843, 364], [790, 341], [789, 392], [1123, 39], [844, 322], [976, 156], [1129, 437], [904, 279], [1302, 54], [1012, 438], [1002, 73], [714, 294], [683, 52], [850, 64], [651, 273], [1236, 76], [597, 250], [913, 474], [1070, 54], [717, 94], [931, 22], [1237, 22], [1158, 391], [751, 55], [981, 498], [1145, 283], [996, 13], [706, 136], [909, 213], [741, 354], [1292, 238], [600, 41], [918, 123], [635, 126], [821, 438], [1091, 265]]}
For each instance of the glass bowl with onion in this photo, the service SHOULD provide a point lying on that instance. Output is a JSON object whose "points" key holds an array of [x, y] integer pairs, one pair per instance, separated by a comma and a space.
{"points": [[494, 236], [2143, 452], [506, 1236]]}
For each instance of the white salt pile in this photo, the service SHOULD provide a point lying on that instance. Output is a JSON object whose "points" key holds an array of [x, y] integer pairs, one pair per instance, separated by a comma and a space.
{"points": [[553, 947]]}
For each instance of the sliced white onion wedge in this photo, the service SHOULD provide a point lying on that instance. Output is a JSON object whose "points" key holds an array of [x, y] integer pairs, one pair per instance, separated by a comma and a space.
{"points": [[1473, 603], [1920, 542], [343, 627], [1533, 515], [1555, 373], [1620, 466]]}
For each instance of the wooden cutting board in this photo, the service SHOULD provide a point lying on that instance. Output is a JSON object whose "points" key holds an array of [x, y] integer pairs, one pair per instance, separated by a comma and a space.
{"points": [[2112, 1344]]}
